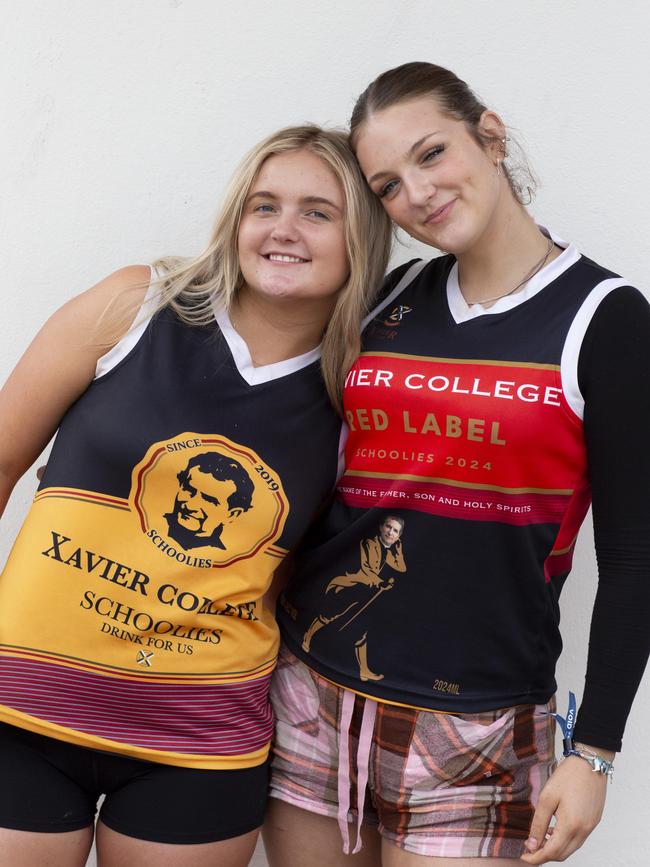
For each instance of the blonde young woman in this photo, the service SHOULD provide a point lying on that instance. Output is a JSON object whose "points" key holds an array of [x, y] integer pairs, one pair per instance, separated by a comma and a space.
{"points": [[196, 441], [501, 387]]}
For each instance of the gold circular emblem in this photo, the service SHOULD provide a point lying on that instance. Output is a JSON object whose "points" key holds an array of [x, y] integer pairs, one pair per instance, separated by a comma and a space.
{"points": [[207, 501]]}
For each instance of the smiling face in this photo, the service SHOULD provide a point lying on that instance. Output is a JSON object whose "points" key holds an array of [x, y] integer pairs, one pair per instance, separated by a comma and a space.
{"points": [[201, 505], [390, 531], [291, 241], [433, 177]]}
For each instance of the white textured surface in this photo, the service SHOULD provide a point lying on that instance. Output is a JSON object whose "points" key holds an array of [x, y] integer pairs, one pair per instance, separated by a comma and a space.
{"points": [[122, 122]]}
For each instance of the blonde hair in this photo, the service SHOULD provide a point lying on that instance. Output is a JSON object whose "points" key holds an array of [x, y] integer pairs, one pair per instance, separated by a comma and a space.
{"points": [[192, 286]]}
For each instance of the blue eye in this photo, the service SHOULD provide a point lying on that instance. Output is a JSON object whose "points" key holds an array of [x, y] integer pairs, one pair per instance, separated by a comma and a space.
{"points": [[432, 153], [318, 214], [265, 209]]}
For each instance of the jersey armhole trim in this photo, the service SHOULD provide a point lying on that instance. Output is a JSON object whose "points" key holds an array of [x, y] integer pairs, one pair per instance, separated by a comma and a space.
{"points": [[408, 278], [123, 347], [343, 438], [574, 339]]}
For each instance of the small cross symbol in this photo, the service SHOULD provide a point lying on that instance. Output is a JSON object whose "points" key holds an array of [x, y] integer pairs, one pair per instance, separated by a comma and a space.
{"points": [[144, 657]]}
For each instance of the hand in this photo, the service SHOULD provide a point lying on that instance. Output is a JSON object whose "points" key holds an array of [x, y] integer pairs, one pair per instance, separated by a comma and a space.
{"points": [[575, 795], [40, 472]]}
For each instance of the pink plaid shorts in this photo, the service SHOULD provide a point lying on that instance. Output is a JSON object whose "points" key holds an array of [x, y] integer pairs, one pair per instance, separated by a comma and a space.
{"points": [[434, 784]]}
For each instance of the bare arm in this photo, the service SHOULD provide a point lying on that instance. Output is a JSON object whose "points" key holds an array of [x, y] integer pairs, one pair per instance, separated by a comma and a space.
{"points": [[59, 365]]}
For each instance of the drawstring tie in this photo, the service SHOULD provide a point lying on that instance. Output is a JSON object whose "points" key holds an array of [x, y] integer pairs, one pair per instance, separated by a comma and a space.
{"points": [[362, 762]]}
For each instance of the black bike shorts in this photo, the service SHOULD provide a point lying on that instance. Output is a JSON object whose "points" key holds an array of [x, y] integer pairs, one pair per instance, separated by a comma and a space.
{"points": [[48, 785]]}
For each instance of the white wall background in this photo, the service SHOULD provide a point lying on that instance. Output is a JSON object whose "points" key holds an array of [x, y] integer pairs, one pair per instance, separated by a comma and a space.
{"points": [[122, 121]]}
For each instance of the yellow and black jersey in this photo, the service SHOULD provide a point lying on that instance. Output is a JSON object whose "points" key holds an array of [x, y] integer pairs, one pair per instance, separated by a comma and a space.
{"points": [[131, 613]]}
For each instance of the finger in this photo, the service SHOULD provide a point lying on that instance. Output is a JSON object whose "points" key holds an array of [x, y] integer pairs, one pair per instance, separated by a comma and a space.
{"points": [[572, 845], [540, 824], [556, 848]]}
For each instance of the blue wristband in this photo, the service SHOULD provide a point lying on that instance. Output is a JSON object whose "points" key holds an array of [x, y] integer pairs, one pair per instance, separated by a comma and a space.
{"points": [[567, 725]]}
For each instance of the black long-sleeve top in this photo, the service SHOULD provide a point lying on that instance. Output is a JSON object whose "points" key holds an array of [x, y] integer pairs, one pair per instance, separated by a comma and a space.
{"points": [[614, 377]]}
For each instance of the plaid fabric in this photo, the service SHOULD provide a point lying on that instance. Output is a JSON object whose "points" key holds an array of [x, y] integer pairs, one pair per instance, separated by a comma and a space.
{"points": [[439, 784]]}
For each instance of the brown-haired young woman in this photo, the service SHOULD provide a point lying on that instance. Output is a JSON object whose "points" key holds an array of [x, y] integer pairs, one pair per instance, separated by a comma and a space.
{"points": [[501, 388]]}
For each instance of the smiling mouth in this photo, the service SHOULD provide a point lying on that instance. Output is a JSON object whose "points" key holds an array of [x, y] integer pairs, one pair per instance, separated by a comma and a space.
{"points": [[441, 214], [284, 259]]}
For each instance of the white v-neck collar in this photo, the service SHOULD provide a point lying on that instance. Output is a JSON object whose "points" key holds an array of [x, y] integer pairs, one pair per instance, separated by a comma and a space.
{"points": [[241, 356], [461, 311]]}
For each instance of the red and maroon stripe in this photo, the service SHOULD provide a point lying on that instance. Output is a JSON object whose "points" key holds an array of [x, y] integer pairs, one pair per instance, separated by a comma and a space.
{"points": [[223, 719]]}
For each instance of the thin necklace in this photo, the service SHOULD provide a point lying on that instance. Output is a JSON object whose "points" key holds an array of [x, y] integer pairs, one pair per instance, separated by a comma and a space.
{"points": [[529, 276]]}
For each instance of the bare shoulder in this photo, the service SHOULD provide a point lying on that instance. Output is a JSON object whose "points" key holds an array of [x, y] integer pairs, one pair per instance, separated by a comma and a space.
{"points": [[106, 311], [129, 278], [60, 364]]}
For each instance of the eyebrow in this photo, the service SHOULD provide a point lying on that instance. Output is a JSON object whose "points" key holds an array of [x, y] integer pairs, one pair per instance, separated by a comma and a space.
{"points": [[410, 152], [307, 200]]}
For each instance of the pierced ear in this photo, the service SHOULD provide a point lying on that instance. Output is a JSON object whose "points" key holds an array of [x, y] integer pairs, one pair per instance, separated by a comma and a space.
{"points": [[493, 129]]}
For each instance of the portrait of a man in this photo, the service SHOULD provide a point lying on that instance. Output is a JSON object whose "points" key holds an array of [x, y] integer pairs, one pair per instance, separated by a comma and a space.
{"points": [[379, 555], [213, 490]]}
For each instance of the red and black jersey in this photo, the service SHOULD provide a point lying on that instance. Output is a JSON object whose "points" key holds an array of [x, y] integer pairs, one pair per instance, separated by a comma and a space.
{"points": [[465, 425]]}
